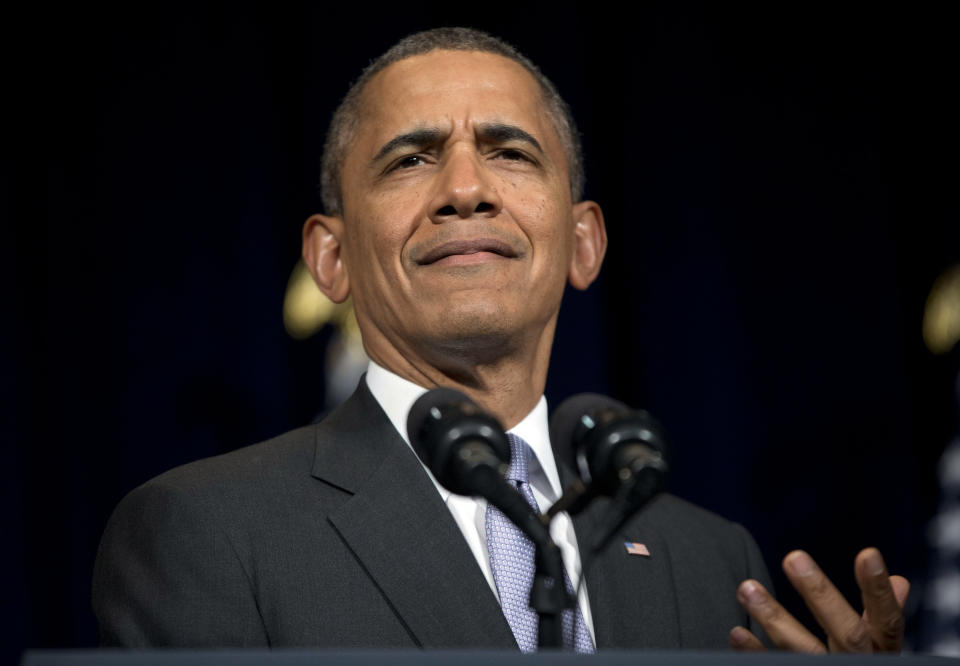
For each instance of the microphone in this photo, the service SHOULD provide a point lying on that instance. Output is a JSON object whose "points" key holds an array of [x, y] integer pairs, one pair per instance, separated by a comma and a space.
{"points": [[460, 443], [616, 451], [468, 452]]}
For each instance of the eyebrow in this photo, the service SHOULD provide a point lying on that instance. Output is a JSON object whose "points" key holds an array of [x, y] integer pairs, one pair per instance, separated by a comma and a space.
{"points": [[489, 132], [502, 133], [418, 138]]}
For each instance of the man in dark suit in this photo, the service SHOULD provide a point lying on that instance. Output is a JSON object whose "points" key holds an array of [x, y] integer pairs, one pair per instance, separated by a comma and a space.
{"points": [[454, 217]]}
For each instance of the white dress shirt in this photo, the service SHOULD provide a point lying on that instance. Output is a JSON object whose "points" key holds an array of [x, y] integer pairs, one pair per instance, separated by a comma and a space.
{"points": [[397, 395]]}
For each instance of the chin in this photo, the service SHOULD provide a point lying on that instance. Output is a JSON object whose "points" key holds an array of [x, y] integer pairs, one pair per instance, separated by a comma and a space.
{"points": [[476, 335]]}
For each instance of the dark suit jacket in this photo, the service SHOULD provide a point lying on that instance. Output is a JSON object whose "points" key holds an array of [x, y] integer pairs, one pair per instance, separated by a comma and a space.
{"points": [[333, 536]]}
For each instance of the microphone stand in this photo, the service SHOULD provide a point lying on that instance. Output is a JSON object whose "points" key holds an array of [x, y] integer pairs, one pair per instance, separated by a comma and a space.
{"points": [[548, 594]]}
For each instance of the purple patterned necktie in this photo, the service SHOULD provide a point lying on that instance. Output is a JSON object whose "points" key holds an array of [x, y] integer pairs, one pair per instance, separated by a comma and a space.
{"points": [[512, 562]]}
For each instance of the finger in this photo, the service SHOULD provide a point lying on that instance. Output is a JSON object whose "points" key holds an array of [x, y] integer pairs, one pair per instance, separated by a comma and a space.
{"points": [[782, 628], [901, 588], [845, 630], [743, 639], [882, 611]]}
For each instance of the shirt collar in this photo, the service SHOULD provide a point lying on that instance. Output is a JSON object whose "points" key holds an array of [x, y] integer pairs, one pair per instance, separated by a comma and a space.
{"points": [[396, 396]]}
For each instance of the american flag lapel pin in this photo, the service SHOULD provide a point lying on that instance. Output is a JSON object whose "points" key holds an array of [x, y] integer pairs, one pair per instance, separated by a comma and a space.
{"points": [[636, 548]]}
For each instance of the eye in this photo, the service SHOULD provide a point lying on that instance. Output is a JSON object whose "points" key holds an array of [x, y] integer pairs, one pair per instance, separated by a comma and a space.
{"points": [[407, 162], [513, 155]]}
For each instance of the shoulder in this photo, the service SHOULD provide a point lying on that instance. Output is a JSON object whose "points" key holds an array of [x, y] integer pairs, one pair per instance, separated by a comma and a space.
{"points": [[268, 465], [271, 460], [689, 524], [272, 479], [701, 541], [213, 494], [675, 515], [283, 463]]}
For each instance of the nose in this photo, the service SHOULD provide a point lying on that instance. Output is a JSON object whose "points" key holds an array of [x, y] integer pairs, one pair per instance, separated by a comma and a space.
{"points": [[464, 189]]}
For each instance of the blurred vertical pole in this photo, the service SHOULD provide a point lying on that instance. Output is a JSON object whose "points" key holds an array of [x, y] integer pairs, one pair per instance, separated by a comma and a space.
{"points": [[939, 629], [940, 612]]}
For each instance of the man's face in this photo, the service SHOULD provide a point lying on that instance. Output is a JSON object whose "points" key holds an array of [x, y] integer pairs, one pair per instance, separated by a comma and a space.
{"points": [[458, 227]]}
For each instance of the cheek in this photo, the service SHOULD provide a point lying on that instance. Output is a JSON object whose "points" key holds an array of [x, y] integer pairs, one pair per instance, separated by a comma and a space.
{"points": [[530, 205], [395, 220], [548, 223], [380, 230], [379, 253]]}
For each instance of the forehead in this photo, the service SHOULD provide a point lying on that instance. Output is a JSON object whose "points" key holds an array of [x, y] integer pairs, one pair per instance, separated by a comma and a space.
{"points": [[448, 88]]}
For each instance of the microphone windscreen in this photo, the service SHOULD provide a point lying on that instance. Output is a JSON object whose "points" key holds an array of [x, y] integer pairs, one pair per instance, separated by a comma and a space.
{"points": [[427, 410], [569, 416]]}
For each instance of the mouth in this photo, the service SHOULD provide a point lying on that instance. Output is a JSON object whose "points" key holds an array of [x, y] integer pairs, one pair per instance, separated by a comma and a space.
{"points": [[467, 251]]}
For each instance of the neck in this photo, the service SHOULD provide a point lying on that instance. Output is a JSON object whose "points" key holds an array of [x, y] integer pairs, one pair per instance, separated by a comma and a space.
{"points": [[506, 378]]}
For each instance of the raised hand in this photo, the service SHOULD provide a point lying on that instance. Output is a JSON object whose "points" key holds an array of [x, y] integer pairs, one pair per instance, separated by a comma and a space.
{"points": [[878, 629]]}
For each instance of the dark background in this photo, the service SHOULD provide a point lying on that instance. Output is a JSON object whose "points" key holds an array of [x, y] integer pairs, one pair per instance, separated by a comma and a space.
{"points": [[780, 192]]}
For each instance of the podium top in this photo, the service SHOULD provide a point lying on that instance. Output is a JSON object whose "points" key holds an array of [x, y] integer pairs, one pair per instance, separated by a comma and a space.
{"points": [[443, 657]]}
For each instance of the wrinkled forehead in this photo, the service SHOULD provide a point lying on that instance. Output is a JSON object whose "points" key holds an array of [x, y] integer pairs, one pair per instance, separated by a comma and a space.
{"points": [[445, 89]]}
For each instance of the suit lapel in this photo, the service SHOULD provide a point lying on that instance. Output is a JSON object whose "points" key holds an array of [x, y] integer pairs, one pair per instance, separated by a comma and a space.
{"points": [[402, 533]]}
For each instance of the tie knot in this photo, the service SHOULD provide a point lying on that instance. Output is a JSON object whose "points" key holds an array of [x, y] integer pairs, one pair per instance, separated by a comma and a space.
{"points": [[519, 452]]}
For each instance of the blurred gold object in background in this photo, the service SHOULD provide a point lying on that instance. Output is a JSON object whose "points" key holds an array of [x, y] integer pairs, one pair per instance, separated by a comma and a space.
{"points": [[306, 310], [941, 317]]}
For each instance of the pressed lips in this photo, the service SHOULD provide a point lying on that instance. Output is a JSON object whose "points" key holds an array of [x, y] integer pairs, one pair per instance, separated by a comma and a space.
{"points": [[466, 247]]}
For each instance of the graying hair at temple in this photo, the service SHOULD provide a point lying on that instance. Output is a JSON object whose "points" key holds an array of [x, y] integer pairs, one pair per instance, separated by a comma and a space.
{"points": [[347, 116]]}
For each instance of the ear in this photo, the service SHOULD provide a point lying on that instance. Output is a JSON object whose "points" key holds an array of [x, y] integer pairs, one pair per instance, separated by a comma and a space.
{"points": [[590, 244], [322, 256]]}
